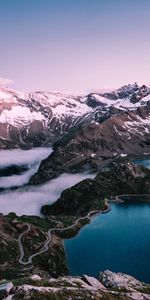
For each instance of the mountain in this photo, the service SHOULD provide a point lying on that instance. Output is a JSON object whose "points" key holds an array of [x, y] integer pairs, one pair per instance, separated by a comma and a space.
{"points": [[35, 119], [92, 146], [119, 177], [41, 118]]}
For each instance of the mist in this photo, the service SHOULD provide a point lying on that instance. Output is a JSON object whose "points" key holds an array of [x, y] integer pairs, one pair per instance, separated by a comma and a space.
{"points": [[28, 200], [23, 157], [31, 158]]}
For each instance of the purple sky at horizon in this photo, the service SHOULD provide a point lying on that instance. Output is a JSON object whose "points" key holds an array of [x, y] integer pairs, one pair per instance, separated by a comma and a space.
{"points": [[74, 46]]}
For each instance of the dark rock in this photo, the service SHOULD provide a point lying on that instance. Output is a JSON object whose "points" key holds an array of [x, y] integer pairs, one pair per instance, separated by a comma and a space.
{"points": [[87, 148], [13, 170], [120, 177]]}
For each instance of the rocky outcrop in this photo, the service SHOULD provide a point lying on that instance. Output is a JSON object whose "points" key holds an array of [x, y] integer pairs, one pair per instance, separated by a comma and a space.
{"points": [[120, 177], [119, 281], [110, 286], [5, 288]]}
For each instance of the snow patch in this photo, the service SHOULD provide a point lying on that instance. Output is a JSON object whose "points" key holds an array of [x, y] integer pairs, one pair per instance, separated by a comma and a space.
{"points": [[20, 115]]}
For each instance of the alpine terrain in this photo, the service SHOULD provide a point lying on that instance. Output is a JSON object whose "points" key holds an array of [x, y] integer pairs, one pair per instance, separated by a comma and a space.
{"points": [[41, 118]]}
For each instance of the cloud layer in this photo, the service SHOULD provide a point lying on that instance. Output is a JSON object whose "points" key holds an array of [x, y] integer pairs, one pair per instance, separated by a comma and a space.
{"points": [[28, 200], [5, 81]]}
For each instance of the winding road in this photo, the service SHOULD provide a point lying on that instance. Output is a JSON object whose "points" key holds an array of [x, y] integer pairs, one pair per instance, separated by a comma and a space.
{"points": [[49, 238], [49, 233]]}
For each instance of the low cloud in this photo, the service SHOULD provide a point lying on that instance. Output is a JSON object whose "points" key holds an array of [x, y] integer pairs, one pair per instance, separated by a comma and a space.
{"points": [[23, 157], [5, 81], [28, 200]]}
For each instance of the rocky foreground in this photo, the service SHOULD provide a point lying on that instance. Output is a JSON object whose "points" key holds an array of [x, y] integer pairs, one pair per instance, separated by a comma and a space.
{"points": [[109, 286]]}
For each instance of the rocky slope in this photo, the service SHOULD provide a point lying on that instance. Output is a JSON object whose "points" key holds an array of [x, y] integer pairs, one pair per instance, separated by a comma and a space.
{"points": [[51, 262], [88, 148], [40, 118], [109, 286], [120, 177], [35, 119]]}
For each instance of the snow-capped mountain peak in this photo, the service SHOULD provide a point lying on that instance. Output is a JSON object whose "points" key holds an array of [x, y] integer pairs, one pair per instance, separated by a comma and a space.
{"points": [[42, 117]]}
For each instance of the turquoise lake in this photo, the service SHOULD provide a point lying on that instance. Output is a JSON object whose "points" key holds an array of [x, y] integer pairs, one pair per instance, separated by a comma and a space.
{"points": [[118, 241]]}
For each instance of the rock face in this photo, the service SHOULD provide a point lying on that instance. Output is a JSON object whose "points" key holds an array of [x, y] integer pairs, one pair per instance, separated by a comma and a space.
{"points": [[119, 281], [120, 177], [36, 119], [90, 146], [79, 200], [13, 170], [120, 287], [40, 118], [5, 287]]}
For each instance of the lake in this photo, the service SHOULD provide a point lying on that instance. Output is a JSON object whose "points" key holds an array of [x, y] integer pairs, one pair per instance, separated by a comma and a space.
{"points": [[118, 241]]}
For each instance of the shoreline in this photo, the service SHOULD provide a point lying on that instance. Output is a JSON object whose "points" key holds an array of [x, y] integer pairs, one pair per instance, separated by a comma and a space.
{"points": [[130, 197], [74, 226], [52, 231]]}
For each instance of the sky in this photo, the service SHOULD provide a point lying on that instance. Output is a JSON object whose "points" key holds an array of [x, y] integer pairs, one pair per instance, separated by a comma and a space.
{"points": [[74, 45]]}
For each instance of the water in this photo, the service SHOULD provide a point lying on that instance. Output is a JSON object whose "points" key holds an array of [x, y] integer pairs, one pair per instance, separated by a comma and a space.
{"points": [[118, 241], [143, 162]]}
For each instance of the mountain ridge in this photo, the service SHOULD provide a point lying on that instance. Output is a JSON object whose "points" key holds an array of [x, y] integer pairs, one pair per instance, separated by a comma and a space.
{"points": [[40, 118]]}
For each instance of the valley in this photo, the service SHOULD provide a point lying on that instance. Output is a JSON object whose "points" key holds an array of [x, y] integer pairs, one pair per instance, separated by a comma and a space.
{"points": [[50, 196]]}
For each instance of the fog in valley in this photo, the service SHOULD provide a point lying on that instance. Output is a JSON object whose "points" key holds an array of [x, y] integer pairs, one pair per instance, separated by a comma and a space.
{"points": [[28, 200], [23, 157], [30, 158]]}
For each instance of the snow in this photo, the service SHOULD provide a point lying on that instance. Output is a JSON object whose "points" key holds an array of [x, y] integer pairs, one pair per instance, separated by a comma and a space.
{"points": [[146, 130], [20, 115], [4, 95], [8, 94], [93, 155], [64, 108], [138, 125], [103, 100], [145, 99], [117, 130], [61, 104], [122, 104], [10, 297], [115, 153], [21, 109]]}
